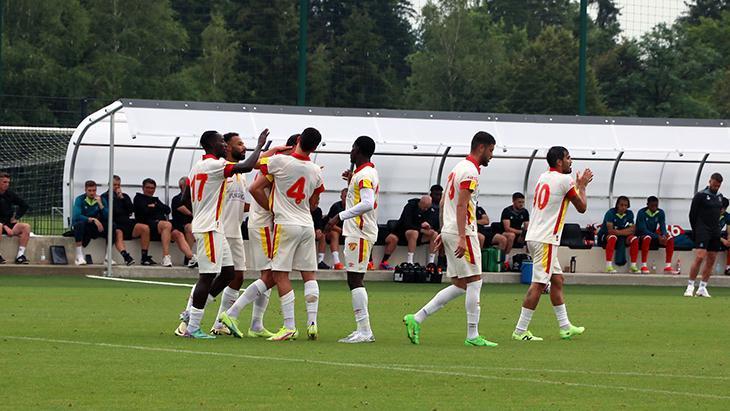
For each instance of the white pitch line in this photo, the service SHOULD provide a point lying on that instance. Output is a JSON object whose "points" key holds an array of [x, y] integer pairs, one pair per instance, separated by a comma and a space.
{"points": [[374, 367], [563, 371], [128, 280]]}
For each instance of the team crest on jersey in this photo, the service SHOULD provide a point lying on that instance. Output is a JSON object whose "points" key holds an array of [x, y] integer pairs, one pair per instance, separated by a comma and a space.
{"points": [[352, 246]]}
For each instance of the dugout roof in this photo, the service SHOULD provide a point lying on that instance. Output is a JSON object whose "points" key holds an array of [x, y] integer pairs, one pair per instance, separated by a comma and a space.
{"points": [[636, 157]]}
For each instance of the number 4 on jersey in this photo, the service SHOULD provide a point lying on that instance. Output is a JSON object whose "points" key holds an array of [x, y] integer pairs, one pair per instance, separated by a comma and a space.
{"points": [[296, 191]]}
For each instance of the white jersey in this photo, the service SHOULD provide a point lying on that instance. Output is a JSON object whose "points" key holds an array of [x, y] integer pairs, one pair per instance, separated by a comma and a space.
{"points": [[207, 182], [258, 217], [552, 195], [465, 175], [234, 205], [366, 225], [296, 179]]}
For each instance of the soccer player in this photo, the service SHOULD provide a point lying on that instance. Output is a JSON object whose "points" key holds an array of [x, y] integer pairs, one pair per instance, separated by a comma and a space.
{"points": [[207, 183], [555, 190], [333, 232], [9, 216], [360, 229], [724, 223], [126, 229], [650, 221], [233, 212], [260, 238], [459, 239], [618, 224], [704, 214], [296, 186]]}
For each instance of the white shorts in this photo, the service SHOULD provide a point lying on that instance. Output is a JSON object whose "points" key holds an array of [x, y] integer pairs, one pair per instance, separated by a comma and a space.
{"points": [[237, 253], [259, 248], [357, 254], [213, 252], [293, 248], [468, 265], [544, 261]]}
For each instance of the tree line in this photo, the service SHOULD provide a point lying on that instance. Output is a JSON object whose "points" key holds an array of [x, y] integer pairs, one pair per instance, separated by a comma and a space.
{"points": [[64, 58]]}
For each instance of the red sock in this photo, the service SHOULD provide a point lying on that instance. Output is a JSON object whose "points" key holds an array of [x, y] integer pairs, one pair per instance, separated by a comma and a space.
{"points": [[634, 249], [670, 250], [645, 244], [610, 247]]}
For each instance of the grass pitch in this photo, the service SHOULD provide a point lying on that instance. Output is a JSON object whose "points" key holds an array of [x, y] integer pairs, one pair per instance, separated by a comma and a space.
{"points": [[80, 343]]}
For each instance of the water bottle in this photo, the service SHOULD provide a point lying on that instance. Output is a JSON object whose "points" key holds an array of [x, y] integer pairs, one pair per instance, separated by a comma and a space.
{"points": [[43, 256], [679, 266], [572, 264], [653, 267]]}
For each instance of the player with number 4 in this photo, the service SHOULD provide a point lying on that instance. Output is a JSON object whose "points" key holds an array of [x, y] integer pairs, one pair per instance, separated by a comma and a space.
{"points": [[555, 189]]}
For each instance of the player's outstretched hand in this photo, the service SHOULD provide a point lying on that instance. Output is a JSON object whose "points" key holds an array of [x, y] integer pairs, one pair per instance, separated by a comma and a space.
{"points": [[262, 137], [460, 247], [583, 179]]}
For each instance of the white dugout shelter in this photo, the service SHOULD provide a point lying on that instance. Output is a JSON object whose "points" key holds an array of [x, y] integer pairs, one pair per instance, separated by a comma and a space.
{"points": [[636, 157]]}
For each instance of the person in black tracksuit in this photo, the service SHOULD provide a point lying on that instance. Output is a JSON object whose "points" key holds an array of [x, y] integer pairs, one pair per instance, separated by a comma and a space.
{"points": [[12, 208], [703, 216]]}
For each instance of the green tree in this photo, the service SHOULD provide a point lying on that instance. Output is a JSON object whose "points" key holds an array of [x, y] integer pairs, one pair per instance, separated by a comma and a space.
{"points": [[533, 15]]}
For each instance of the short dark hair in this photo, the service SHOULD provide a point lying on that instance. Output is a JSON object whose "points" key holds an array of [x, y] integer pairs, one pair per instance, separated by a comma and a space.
{"points": [[621, 198], [116, 178], [310, 139], [365, 145], [206, 140], [652, 199], [482, 138], [517, 196], [228, 136], [148, 181], [3, 174], [725, 202], [292, 140], [89, 183], [717, 177], [554, 154], [436, 187]]}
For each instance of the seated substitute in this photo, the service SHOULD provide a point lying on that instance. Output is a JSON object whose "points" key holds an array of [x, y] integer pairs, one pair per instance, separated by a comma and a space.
{"points": [[149, 210], [486, 236], [334, 234], [182, 220], [89, 220], [724, 224], [618, 225], [125, 227], [319, 224], [651, 227], [12, 208], [515, 220], [415, 227]]}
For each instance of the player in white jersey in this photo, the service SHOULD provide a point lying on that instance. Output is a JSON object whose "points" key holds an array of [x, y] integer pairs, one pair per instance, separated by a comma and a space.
{"points": [[260, 236], [554, 191], [295, 189], [207, 185], [461, 244], [234, 209], [360, 229]]}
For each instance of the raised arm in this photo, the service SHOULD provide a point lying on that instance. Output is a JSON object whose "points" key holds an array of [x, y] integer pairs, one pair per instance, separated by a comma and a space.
{"points": [[579, 198]]}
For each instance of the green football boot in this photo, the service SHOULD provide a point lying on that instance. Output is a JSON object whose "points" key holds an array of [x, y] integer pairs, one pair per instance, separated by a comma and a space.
{"points": [[571, 332], [413, 328]]}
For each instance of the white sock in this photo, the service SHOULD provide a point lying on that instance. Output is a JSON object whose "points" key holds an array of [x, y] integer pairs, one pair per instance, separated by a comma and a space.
{"points": [[473, 309], [259, 308], [311, 297], [703, 284], [287, 309], [562, 315], [79, 252], [190, 299], [669, 265], [609, 263], [251, 293], [691, 283], [228, 298], [320, 257], [633, 265], [524, 321], [410, 258], [360, 307], [196, 315], [336, 257], [438, 301], [21, 251], [643, 264], [431, 258]]}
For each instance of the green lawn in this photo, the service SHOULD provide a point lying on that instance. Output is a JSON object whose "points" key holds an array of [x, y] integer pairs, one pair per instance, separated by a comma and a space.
{"points": [[92, 344]]}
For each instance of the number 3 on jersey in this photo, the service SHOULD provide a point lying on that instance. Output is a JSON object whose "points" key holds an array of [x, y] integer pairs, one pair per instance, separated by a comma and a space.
{"points": [[542, 195], [296, 191]]}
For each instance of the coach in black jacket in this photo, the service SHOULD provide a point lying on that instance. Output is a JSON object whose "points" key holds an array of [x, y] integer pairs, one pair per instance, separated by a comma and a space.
{"points": [[12, 207], [703, 217]]}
